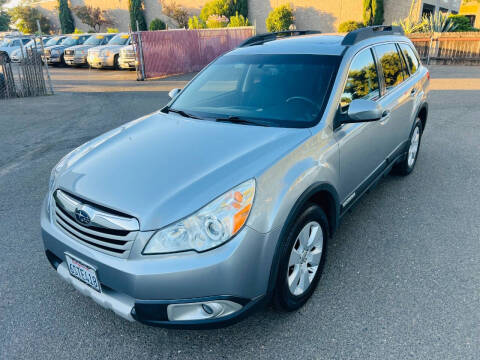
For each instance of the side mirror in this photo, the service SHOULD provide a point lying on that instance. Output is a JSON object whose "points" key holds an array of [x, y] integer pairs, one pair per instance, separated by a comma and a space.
{"points": [[361, 110], [174, 92]]}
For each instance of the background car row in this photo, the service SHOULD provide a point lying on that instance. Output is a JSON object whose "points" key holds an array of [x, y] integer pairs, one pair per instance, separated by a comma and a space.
{"points": [[95, 50], [105, 50]]}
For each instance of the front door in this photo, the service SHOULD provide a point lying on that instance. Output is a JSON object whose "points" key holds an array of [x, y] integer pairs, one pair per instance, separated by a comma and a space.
{"points": [[360, 145]]}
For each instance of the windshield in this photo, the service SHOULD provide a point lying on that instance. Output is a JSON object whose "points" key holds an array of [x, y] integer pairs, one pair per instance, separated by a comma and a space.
{"points": [[278, 90], [54, 41], [120, 39], [95, 40], [70, 41]]}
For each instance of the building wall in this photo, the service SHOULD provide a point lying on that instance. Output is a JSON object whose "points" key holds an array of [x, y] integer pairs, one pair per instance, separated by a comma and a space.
{"points": [[471, 8], [323, 15]]}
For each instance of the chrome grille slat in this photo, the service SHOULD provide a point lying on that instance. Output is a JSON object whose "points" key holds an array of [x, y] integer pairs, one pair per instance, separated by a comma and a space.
{"points": [[70, 222], [116, 240], [92, 240]]}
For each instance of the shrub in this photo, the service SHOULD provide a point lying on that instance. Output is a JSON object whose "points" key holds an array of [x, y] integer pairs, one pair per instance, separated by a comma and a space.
{"points": [[157, 24], [238, 21], [280, 18], [78, 31], [226, 8], [217, 21], [196, 23], [348, 26], [112, 30], [65, 16], [462, 23]]}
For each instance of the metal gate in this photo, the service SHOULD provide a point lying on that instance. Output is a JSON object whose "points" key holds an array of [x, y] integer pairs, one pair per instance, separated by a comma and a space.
{"points": [[28, 76]]}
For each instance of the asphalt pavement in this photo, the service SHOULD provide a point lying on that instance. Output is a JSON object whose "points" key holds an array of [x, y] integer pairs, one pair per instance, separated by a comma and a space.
{"points": [[402, 279]]}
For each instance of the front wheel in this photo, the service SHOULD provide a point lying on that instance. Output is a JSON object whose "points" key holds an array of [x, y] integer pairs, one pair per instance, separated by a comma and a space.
{"points": [[302, 260], [406, 166]]}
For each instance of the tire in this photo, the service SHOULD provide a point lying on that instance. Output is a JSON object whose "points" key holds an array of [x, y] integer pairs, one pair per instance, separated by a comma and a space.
{"points": [[406, 165], [116, 65], [62, 61], [290, 294]]}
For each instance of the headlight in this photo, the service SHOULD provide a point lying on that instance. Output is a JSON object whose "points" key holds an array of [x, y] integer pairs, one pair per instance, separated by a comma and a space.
{"points": [[209, 227]]}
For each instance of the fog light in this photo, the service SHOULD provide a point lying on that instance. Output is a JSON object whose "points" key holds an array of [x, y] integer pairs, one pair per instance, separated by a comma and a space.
{"points": [[202, 310]]}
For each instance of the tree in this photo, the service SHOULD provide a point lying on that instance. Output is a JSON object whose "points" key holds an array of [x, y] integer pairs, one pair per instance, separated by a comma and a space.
{"points": [[93, 17], [157, 24], [135, 7], [65, 16], [176, 12], [25, 19], [280, 18], [4, 20], [373, 12]]}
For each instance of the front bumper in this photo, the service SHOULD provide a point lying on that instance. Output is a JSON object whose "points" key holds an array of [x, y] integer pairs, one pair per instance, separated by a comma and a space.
{"points": [[75, 60], [127, 63], [100, 61], [142, 287]]}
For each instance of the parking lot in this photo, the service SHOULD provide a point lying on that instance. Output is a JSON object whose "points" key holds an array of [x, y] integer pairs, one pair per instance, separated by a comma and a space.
{"points": [[402, 277]]}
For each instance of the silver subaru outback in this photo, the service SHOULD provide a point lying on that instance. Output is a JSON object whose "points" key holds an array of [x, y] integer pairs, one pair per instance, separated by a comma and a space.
{"points": [[224, 200]]}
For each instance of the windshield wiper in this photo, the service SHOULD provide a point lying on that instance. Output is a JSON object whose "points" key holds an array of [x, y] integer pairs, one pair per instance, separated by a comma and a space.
{"points": [[239, 120], [181, 112]]}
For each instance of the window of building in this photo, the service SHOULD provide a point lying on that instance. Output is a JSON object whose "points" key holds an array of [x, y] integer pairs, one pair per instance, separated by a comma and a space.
{"points": [[428, 10], [362, 82]]}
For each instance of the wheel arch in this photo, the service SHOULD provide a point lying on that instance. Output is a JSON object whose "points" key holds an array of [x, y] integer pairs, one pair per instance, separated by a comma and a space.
{"points": [[321, 194], [422, 113]]}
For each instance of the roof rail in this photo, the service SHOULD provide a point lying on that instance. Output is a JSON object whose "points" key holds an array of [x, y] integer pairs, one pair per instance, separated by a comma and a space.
{"points": [[371, 31], [263, 38]]}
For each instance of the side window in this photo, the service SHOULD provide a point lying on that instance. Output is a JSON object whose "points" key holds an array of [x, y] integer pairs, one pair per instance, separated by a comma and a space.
{"points": [[389, 58], [25, 41], [362, 82], [410, 58]]}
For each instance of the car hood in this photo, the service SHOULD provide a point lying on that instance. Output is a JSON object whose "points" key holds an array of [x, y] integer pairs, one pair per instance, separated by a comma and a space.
{"points": [[81, 47], [55, 47], [111, 47], [161, 168]]}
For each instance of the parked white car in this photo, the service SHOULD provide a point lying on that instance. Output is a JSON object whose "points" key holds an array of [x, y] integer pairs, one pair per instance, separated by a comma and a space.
{"points": [[108, 55], [127, 58], [9, 45]]}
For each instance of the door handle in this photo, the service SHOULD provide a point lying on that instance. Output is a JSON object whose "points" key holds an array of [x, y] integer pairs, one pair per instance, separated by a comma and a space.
{"points": [[385, 114]]}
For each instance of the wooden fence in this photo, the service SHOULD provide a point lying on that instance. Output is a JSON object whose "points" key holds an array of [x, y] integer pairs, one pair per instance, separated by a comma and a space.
{"points": [[448, 48]]}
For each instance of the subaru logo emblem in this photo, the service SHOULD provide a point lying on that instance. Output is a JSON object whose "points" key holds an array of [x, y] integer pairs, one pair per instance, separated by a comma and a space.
{"points": [[82, 217]]}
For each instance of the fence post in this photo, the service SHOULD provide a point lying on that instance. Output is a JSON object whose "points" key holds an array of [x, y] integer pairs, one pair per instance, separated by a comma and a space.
{"points": [[142, 65], [43, 54]]}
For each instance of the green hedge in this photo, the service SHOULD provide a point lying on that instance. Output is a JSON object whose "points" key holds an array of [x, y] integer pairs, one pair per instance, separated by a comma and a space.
{"points": [[280, 18]]}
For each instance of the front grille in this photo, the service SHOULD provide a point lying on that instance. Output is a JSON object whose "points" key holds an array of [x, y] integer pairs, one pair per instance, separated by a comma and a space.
{"points": [[69, 52], [113, 241], [127, 53]]}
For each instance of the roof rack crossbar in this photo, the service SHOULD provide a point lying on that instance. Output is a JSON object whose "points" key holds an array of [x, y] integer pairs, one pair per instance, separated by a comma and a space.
{"points": [[358, 35], [263, 38]]}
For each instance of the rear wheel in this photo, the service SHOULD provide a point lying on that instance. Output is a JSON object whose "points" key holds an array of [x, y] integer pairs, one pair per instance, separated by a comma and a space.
{"points": [[302, 261], [116, 64], [406, 166]]}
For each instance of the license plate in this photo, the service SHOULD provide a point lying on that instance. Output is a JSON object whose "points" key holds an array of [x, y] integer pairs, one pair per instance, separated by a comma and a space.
{"points": [[83, 272]]}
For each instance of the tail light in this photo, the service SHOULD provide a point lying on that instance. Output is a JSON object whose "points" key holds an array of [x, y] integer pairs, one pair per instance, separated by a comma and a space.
{"points": [[428, 75]]}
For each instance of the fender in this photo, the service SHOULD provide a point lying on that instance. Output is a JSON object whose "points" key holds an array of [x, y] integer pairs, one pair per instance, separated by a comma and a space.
{"points": [[294, 212]]}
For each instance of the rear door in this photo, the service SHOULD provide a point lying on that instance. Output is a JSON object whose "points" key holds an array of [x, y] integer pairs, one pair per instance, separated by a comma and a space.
{"points": [[397, 99]]}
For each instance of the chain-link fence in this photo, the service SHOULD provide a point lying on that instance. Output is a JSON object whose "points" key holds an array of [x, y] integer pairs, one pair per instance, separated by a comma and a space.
{"points": [[27, 76]]}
